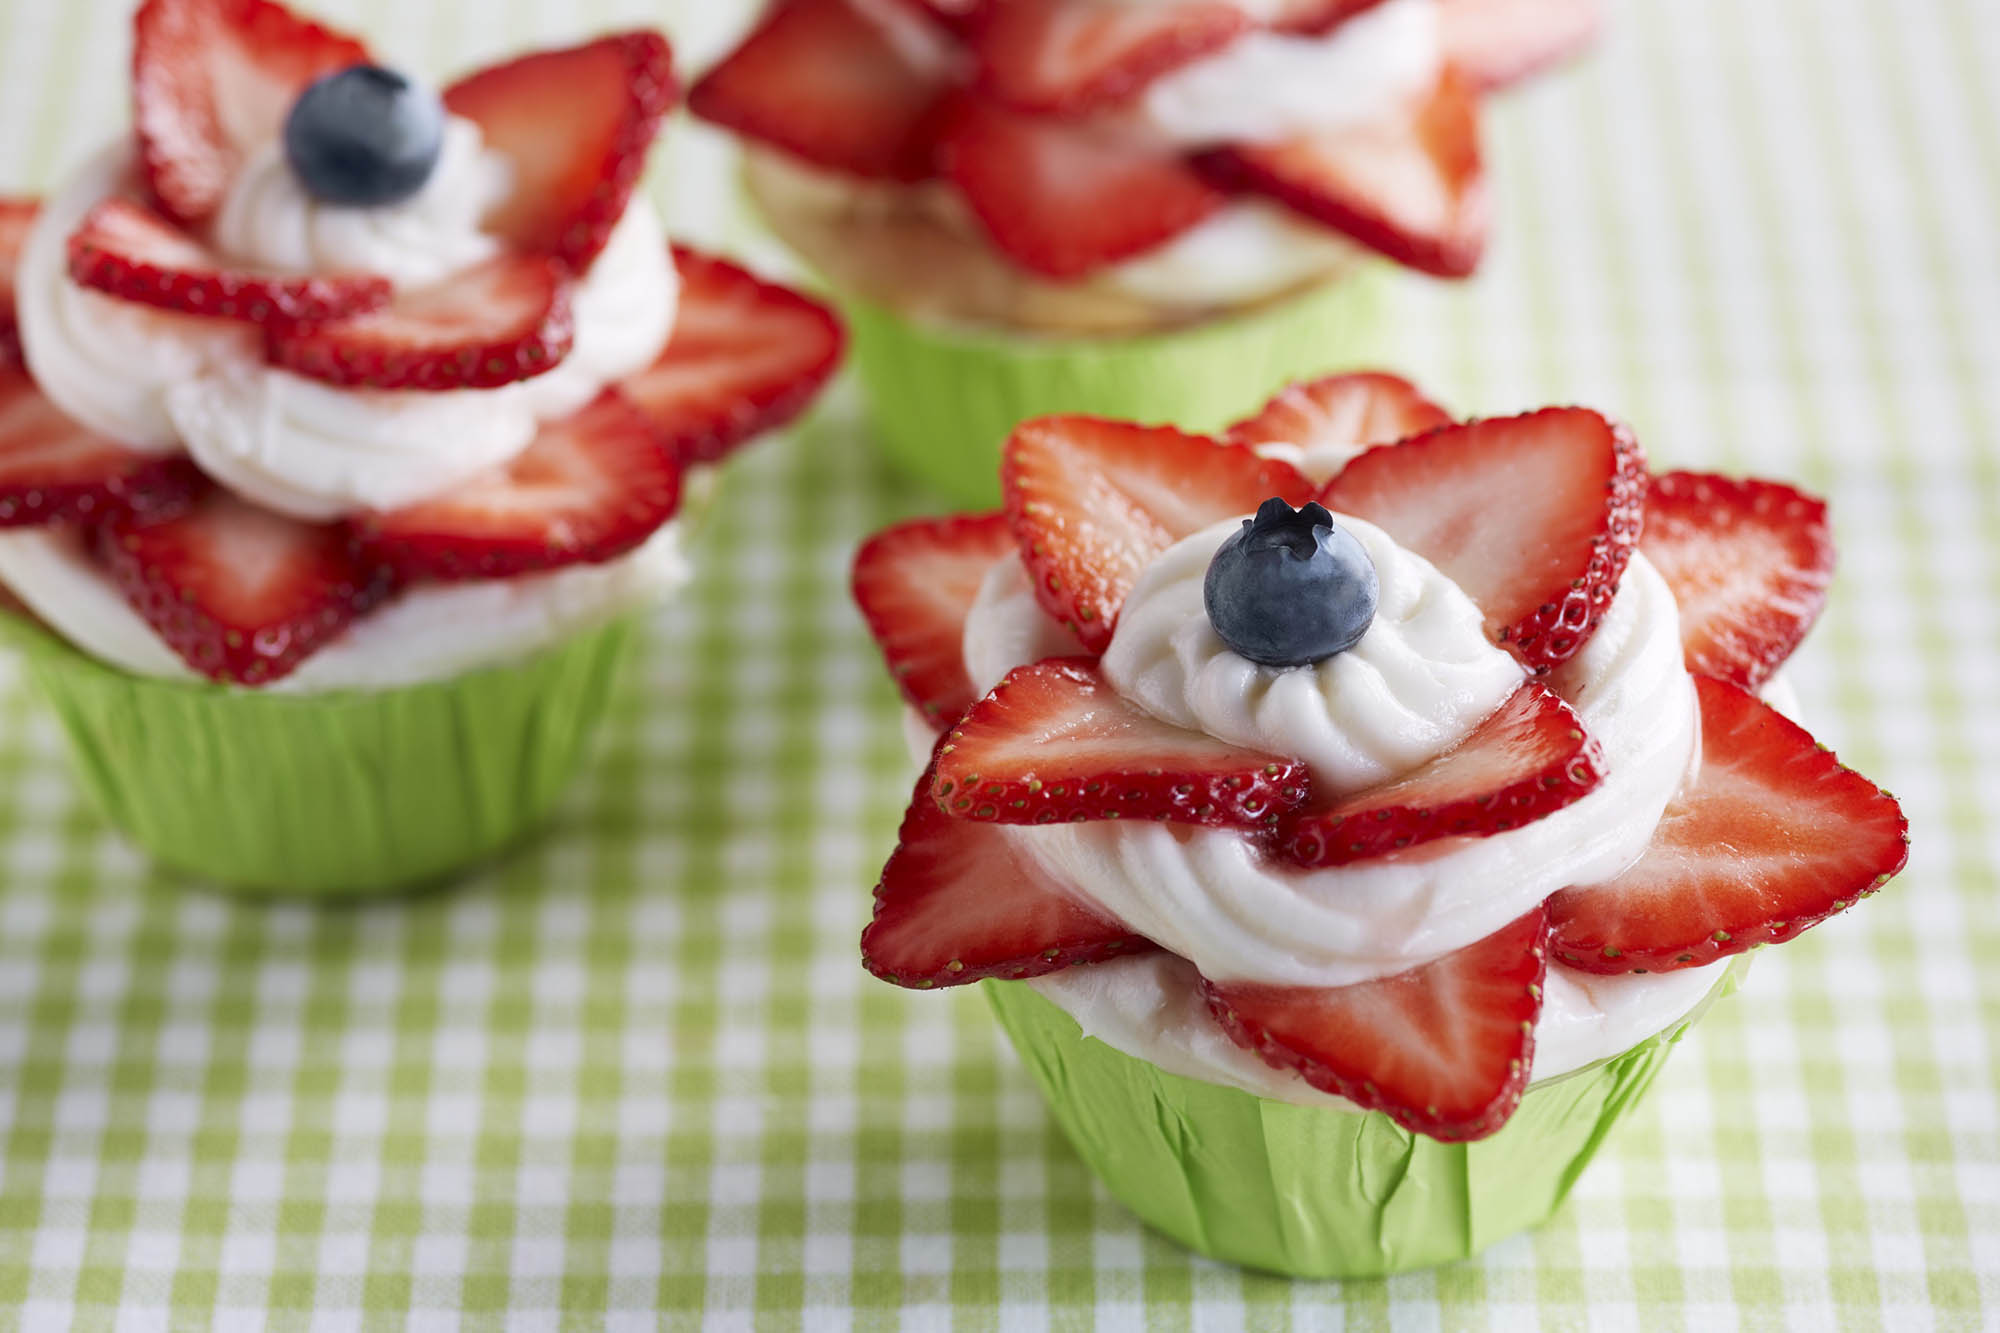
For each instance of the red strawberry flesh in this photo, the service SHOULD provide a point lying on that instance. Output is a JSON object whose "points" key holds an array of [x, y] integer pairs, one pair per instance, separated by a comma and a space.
{"points": [[211, 81], [1772, 836], [959, 902], [1064, 201], [55, 470], [1055, 743], [1092, 501], [915, 583], [1408, 184], [590, 488], [825, 84], [497, 323], [746, 356], [1528, 760], [1342, 414], [1534, 516], [239, 593], [1444, 1049], [1749, 563], [1055, 56], [575, 125], [132, 254]]}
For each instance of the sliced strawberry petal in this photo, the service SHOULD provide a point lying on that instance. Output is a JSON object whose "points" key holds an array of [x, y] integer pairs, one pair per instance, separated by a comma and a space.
{"points": [[1092, 501], [1409, 184], [240, 593], [1055, 743], [961, 17], [575, 125], [1315, 17], [746, 357], [1749, 563], [1533, 516], [17, 218], [1056, 56], [1773, 835], [134, 255], [1530, 759], [497, 323], [1064, 200], [1443, 1049], [214, 79], [959, 902], [915, 583], [53, 470], [590, 488], [1498, 42], [1341, 415], [826, 84]]}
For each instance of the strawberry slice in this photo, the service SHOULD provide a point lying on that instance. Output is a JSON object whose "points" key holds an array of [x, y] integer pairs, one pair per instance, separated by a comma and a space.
{"points": [[1444, 1049], [214, 79], [1341, 415], [959, 902], [240, 593], [1772, 836], [1533, 516], [1314, 18], [574, 124], [1530, 759], [914, 584], [826, 84], [961, 17], [746, 356], [1064, 200], [1498, 42], [53, 470], [17, 218], [1409, 185], [136, 255], [1055, 743], [1092, 501], [1056, 56], [1749, 563], [590, 488], [500, 322]]}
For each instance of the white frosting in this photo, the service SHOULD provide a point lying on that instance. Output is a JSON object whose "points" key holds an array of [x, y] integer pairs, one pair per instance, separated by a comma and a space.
{"points": [[316, 451], [1213, 897], [1266, 87], [1151, 1006], [1244, 252], [269, 219], [1418, 681], [431, 632]]}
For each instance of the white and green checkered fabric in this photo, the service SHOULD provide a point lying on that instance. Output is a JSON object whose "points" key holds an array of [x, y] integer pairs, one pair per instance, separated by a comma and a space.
{"points": [[636, 1075]]}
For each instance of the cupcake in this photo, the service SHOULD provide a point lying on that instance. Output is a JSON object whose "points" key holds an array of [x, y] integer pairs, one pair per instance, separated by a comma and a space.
{"points": [[1346, 831], [1159, 210], [344, 427]]}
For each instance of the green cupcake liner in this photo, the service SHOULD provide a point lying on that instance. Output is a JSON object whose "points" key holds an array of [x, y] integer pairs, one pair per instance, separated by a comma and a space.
{"points": [[1316, 1191], [337, 794], [944, 399]]}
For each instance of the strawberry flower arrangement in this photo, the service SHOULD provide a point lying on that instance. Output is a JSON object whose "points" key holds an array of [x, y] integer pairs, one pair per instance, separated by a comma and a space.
{"points": [[322, 384], [1362, 740], [1045, 206]]}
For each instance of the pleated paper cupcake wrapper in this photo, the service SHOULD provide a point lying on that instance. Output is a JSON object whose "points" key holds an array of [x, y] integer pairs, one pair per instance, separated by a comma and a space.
{"points": [[336, 794], [1318, 1191], [944, 400]]}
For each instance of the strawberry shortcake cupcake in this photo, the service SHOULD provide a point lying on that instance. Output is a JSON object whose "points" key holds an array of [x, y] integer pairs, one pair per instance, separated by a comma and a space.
{"points": [[1347, 834], [345, 425], [1158, 208]]}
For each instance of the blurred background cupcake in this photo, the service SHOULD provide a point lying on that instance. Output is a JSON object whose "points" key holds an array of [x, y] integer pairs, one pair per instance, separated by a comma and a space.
{"points": [[1164, 210]]}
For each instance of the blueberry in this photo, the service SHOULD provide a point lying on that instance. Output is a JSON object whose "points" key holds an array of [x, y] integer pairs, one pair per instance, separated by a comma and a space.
{"points": [[364, 136], [1290, 588]]}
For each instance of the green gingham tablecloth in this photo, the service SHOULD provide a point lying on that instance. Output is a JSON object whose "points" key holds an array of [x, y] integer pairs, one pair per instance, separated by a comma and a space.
{"points": [[637, 1077]]}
